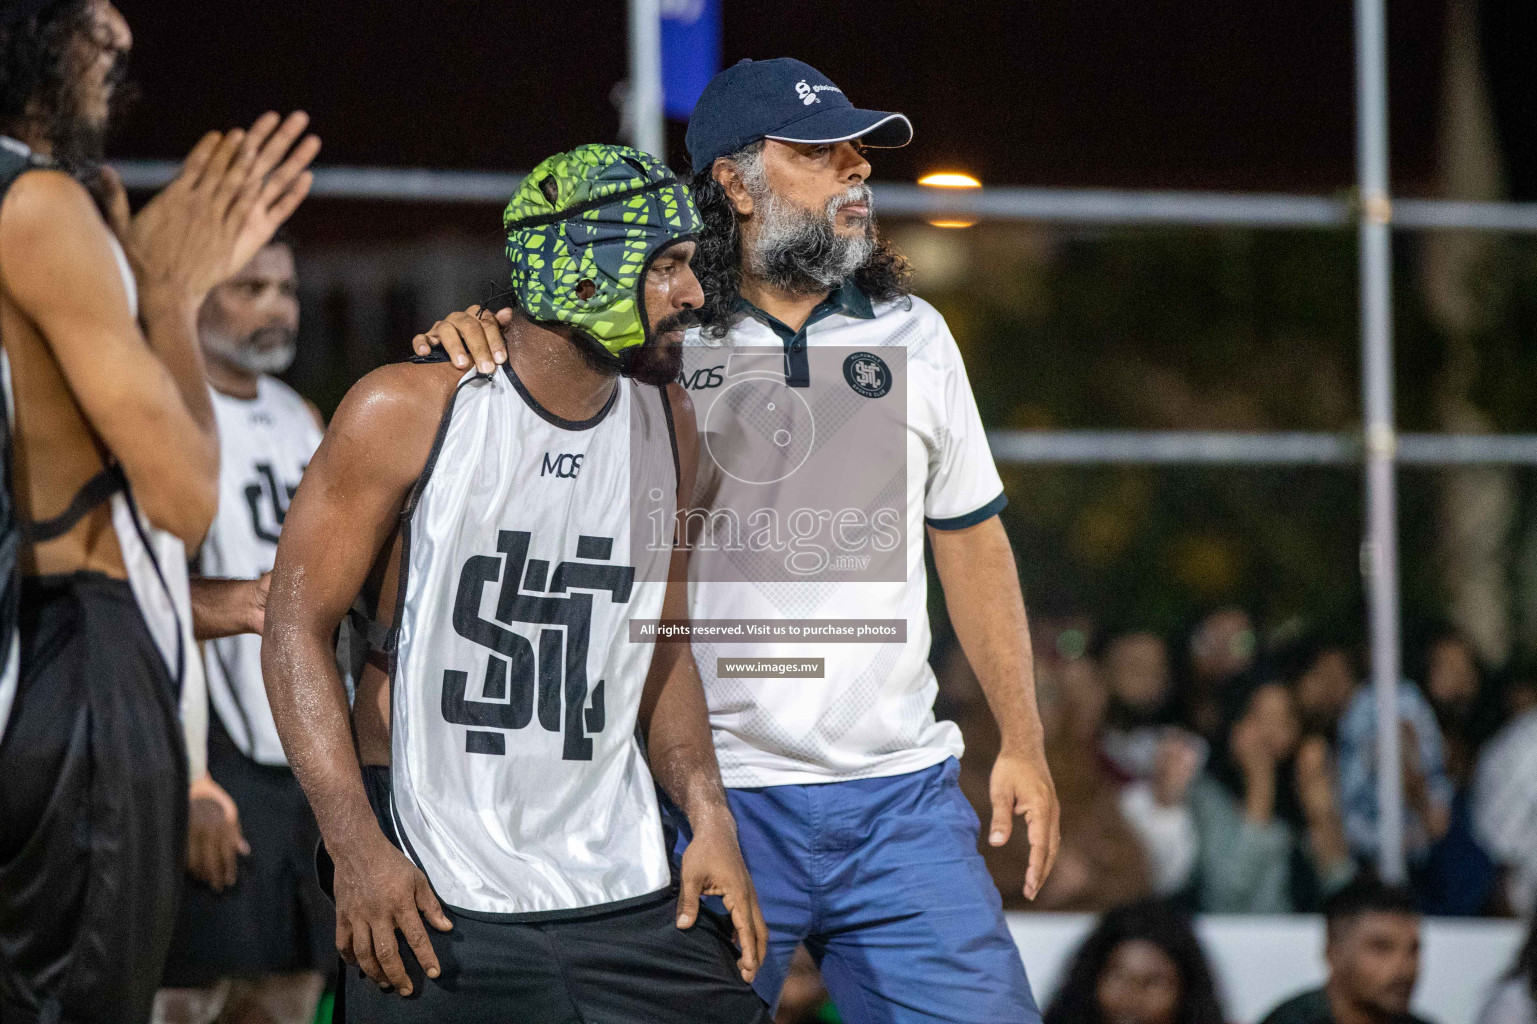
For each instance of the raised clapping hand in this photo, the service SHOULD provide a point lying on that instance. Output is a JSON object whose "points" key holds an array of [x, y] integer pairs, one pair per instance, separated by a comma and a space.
{"points": [[233, 192], [1175, 766]]}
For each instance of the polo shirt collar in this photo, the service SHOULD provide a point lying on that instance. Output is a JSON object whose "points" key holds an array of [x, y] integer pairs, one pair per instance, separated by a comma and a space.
{"points": [[848, 298]]}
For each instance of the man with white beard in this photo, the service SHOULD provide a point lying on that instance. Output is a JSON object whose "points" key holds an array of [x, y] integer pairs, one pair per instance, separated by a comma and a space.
{"points": [[255, 931], [843, 784]]}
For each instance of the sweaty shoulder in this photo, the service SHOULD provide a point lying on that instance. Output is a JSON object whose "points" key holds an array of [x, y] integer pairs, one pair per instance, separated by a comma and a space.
{"points": [[401, 403]]}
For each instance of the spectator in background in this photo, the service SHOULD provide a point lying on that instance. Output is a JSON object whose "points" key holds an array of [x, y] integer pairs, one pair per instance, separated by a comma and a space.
{"points": [[1514, 1001], [1271, 840], [1135, 666], [1466, 706], [1155, 758], [1372, 949], [1457, 877], [1323, 677], [1158, 811], [1141, 965], [1221, 648], [1427, 788], [1505, 808], [1100, 862]]}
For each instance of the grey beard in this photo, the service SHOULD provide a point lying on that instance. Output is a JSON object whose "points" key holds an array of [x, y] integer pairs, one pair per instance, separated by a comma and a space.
{"points": [[250, 354], [798, 250]]}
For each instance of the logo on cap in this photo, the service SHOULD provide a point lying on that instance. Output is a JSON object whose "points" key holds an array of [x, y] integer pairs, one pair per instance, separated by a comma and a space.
{"points": [[804, 92]]}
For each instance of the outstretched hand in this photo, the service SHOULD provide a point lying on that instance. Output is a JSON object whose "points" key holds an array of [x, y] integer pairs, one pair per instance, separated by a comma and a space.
{"points": [[1021, 785]]}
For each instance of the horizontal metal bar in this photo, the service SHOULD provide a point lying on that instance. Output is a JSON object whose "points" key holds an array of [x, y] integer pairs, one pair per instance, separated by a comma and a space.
{"points": [[1003, 202], [1447, 213], [1171, 447], [1082, 206], [1467, 449], [395, 184], [1200, 448], [1105, 206]]}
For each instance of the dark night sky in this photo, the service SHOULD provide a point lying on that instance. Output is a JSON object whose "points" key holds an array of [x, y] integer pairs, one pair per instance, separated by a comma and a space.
{"points": [[1172, 93]]}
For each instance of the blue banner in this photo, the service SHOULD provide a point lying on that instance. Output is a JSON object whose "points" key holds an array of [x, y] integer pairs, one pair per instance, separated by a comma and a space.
{"points": [[690, 52]]}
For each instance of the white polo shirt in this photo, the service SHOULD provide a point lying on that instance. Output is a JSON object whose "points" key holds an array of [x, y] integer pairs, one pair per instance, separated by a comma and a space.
{"points": [[871, 714]]}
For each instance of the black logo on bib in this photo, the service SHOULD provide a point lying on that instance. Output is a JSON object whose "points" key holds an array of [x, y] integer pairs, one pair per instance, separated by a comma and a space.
{"points": [[704, 377], [867, 374], [565, 466], [267, 500], [518, 683]]}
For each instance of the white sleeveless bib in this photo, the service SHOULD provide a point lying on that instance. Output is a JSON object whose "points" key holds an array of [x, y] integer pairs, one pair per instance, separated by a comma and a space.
{"points": [[264, 445], [519, 783]]}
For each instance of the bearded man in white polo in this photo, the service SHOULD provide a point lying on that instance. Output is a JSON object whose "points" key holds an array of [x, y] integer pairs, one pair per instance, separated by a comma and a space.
{"points": [[817, 375]]}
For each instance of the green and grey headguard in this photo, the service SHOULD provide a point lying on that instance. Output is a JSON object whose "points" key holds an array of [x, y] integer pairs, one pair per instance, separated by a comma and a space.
{"points": [[598, 213]]}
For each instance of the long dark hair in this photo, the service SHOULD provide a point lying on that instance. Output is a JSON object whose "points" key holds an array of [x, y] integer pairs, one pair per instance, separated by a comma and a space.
{"points": [[1304, 888], [34, 63], [1148, 921], [36, 69], [1237, 700], [718, 256]]}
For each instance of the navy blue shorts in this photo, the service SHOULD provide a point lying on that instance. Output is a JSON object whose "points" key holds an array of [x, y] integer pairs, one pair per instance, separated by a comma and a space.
{"points": [[881, 879]]}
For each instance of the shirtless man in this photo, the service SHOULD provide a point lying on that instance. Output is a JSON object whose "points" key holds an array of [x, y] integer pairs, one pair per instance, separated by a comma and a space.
{"points": [[113, 474]]}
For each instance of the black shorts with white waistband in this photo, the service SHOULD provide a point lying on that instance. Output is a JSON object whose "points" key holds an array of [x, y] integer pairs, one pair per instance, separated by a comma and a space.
{"points": [[631, 965]]}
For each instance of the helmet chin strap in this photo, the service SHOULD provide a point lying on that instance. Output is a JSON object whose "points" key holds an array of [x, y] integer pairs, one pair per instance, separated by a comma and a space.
{"points": [[599, 355]]}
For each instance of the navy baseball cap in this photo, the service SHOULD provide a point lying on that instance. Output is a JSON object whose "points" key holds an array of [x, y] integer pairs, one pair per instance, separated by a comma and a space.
{"points": [[786, 100]]}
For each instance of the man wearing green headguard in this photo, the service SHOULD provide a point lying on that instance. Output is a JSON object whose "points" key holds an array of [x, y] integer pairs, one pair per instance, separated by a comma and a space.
{"points": [[508, 730]]}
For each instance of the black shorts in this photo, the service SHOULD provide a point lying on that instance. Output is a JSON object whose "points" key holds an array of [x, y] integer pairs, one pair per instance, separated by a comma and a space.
{"points": [[274, 919], [627, 966], [93, 808]]}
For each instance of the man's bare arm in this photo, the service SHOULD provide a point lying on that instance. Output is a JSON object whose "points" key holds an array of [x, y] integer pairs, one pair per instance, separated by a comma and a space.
{"points": [[222, 607], [146, 399], [976, 569], [60, 269], [344, 513], [673, 713], [676, 723]]}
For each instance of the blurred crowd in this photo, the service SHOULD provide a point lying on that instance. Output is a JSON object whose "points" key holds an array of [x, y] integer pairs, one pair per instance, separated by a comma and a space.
{"points": [[1230, 773], [1226, 771], [1144, 963]]}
